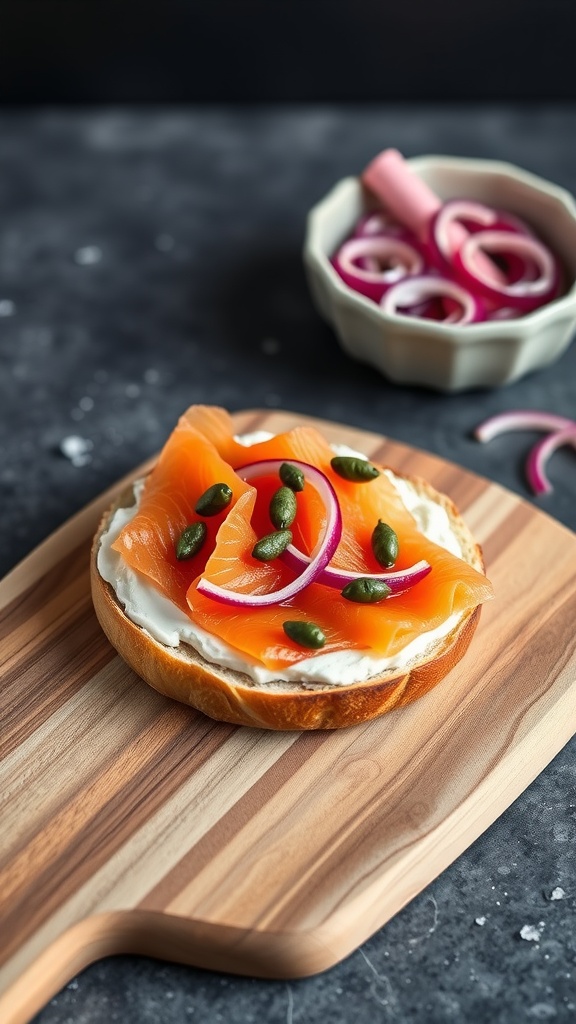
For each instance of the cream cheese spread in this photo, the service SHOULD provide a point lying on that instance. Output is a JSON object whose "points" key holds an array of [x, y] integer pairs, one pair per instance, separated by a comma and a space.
{"points": [[165, 622]]}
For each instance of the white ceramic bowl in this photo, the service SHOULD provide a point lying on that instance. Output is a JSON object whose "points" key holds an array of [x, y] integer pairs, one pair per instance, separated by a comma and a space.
{"points": [[442, 356]]}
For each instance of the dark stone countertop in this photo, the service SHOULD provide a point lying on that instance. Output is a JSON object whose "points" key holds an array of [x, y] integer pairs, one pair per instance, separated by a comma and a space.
{"points": [[150, 259]]}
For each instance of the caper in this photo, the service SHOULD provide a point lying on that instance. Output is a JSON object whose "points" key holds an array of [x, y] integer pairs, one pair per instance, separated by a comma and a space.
{"points": [[272, 545], [283, 508], [291, 476], [384, 544], [214, 500], [307, 634], [357, 470], [191, 540], [366, 590]]}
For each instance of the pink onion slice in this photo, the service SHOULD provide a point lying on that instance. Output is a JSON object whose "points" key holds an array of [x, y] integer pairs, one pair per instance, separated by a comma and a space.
{"points": [[502, 313], [323, 552], [541, 452], [474, 216], [398, 581], [410, 292], [429, 309], [527, 292], [521, 419], [370, 265], [370, 224]]}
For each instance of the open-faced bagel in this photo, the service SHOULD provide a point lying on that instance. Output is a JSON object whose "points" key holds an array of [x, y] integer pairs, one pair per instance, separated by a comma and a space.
{"points": [[231, 696]]}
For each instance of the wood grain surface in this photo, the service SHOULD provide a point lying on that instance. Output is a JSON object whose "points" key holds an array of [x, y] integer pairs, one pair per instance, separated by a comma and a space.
{"points": [[133, 824]]}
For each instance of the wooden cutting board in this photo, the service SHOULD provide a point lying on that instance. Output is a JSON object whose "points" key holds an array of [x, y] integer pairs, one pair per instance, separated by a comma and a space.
{"points": [[133, 824]]}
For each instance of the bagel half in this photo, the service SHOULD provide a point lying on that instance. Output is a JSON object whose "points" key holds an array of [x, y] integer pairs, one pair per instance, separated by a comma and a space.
{"points": [[231, 696]]}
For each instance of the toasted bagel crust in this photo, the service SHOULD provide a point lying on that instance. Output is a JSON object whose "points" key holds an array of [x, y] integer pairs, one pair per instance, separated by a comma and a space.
{"points": [[230, 696]]}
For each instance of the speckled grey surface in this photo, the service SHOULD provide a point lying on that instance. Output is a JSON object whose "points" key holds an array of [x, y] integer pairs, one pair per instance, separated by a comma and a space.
{"points": [[150, 259]]}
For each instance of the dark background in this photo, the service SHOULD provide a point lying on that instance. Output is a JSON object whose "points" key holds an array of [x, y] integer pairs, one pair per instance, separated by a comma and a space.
{"points": [[186, 51], [197, 213]]}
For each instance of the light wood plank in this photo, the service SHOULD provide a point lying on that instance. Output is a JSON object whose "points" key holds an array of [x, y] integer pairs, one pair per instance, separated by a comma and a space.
{"points": [[131, 823]]}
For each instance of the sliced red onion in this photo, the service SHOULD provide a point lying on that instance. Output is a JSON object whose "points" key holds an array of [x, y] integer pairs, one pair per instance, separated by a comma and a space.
{"points": [[376, 223], [525, 293], [411, 291], [541, 452], [398, 581], [474, 216], [502, 313], [323, 552], [521, 419], [428, 309], [395, 259]]}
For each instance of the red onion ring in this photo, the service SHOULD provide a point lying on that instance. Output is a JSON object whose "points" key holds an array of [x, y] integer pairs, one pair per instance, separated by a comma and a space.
{"points": [[474, 216], [376, 223], [541, 452], [492, 253], [403, 259], [526, 293], [429, 309], [411, 291], [398, 581], [502, 313], [323, 552]]}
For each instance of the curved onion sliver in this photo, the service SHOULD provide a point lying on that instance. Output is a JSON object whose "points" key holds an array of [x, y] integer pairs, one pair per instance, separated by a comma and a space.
{"points": [[559, 430], [399, 581], [411, 291], [474, 216], [541, 452], [323, 552], [376, 223], [525, 293], [386, 258], [521, 419]]}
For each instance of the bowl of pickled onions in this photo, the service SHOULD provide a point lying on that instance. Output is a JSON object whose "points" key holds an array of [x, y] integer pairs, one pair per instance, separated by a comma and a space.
{"points": [[446, 272]]}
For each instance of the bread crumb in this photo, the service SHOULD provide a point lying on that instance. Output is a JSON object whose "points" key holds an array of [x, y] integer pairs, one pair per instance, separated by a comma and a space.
{"points": [[529, 933], [480, 920]]}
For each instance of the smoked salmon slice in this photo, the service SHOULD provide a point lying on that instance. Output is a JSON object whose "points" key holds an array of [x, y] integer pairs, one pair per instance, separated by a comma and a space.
{"points": [[201, 451]]}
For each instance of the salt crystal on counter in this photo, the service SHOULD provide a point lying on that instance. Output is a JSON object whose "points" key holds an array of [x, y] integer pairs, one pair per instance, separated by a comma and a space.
{"points": [[88, 255], [557, 893], [77, 449], [480, 920]]}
